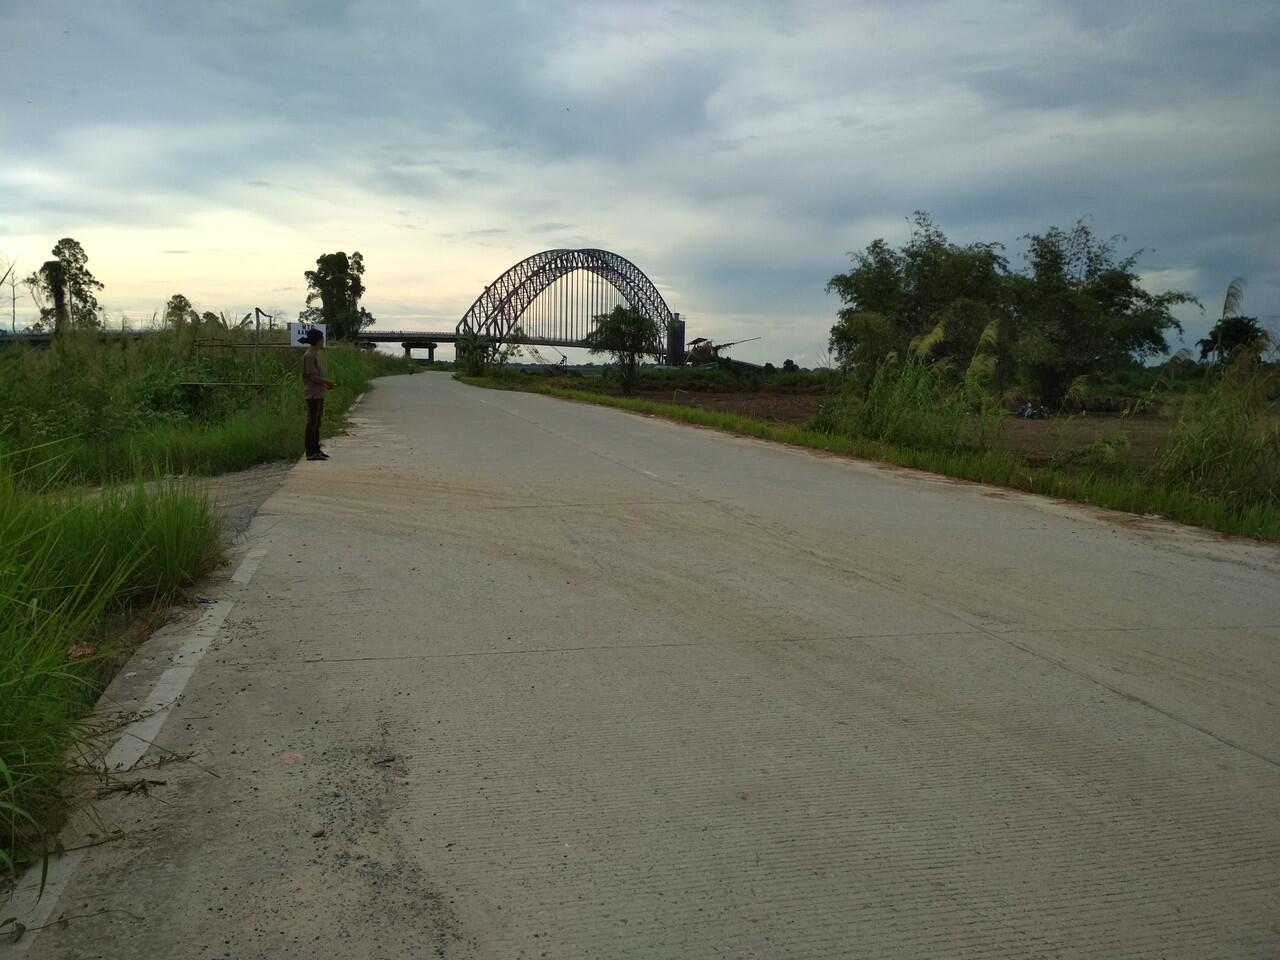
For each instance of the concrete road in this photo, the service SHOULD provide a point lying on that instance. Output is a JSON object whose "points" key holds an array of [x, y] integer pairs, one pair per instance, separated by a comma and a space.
{"points": [[516, 677]]}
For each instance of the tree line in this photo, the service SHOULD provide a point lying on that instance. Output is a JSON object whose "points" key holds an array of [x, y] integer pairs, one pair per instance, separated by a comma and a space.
{"points": [[64, 290], [1076, 310]]}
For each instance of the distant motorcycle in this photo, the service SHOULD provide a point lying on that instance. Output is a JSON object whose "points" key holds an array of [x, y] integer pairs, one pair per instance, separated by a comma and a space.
{"points": [[1031, 411]]}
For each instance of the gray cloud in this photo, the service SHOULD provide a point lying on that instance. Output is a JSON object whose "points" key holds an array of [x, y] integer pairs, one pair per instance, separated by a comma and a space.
{"points": [[737, 150]]}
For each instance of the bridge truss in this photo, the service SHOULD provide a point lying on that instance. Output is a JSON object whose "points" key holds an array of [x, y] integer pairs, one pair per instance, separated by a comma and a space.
{"points": [[552, 298]]}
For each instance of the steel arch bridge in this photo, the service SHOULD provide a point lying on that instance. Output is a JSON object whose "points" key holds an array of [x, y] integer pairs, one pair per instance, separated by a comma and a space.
{"points": [[553, 297]]}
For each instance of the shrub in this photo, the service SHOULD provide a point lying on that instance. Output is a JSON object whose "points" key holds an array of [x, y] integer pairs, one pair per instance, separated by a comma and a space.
{"points": [[911, 406]]}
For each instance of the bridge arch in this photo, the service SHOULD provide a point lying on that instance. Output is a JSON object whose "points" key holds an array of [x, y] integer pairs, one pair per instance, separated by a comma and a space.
{"points": [[498, 311]]}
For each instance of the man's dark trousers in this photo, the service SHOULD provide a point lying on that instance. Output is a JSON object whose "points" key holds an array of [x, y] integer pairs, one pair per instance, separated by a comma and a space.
{"points": [[315, 410]]}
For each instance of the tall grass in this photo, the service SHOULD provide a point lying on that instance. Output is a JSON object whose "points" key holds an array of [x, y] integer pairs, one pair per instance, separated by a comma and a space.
{"points": [[163, 406], [68, 565], [909, 405], [1227, 439]]}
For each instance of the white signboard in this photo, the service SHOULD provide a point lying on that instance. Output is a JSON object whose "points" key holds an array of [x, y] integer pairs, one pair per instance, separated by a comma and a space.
{"points": [[298, 333]]}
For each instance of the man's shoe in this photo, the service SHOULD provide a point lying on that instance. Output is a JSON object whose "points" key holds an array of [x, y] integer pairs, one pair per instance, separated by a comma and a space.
{"points": [[316, 456], [323, 455]]}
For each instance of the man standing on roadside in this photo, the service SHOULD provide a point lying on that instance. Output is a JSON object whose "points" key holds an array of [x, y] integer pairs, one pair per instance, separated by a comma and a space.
{"points": [[314, 386]]}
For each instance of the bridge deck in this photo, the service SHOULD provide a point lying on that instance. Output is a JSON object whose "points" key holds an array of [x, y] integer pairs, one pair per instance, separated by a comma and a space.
{"points": [[414, 337], [451, 336]]}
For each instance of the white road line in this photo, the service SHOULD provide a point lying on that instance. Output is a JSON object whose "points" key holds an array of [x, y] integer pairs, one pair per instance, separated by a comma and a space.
{"points": [[249, 565], [31, 907], [27, 902], [139, 735]]}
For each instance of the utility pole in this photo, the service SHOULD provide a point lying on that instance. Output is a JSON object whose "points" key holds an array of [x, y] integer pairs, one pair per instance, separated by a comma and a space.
{"points": [[258, 314], [13, 296]]}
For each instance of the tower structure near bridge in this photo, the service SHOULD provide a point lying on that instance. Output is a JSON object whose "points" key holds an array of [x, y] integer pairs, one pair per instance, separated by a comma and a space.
{"points": [[552, 299]]}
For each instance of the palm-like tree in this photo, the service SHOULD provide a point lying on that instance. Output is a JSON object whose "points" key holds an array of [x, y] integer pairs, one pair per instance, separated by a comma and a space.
{"points": [[1232, 332]]}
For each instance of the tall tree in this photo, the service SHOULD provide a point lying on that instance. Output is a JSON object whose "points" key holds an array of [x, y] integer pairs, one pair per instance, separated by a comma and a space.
{"points": [[65, 293], [335, 283], [1080, 310], [929, 289], [627, 334], [50, 282], [863, 339], [179, 313], [311, 314]]}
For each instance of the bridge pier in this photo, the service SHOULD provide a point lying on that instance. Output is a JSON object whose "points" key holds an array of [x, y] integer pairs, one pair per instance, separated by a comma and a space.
{"points": [[427, 345]]}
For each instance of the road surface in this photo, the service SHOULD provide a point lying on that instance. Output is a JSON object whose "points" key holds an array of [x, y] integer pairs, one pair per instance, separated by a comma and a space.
{"points": [[514, 677]]}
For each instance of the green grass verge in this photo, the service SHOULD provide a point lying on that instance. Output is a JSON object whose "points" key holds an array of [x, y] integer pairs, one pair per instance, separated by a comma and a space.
{"points": [[80, 573], [128, 413], [1133, 494], [71, 567]]}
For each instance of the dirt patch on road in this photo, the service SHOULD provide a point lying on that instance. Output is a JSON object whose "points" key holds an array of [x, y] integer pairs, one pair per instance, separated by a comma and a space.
{"points": [[237, 497]]}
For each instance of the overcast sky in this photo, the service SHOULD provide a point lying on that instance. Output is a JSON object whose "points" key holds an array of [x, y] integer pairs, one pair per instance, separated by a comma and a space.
{"points": [[736, 152]]}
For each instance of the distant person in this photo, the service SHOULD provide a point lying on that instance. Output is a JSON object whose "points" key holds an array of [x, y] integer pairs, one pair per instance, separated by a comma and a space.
{"points": [[314, 386]]}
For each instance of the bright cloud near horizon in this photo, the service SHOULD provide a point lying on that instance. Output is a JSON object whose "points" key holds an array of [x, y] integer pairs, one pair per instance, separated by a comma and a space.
{"points": [[735, 151]]}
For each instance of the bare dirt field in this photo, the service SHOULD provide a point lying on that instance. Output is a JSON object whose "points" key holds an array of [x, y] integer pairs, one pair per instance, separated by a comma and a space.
{"points": [[773, 407], [1039, 441]]}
